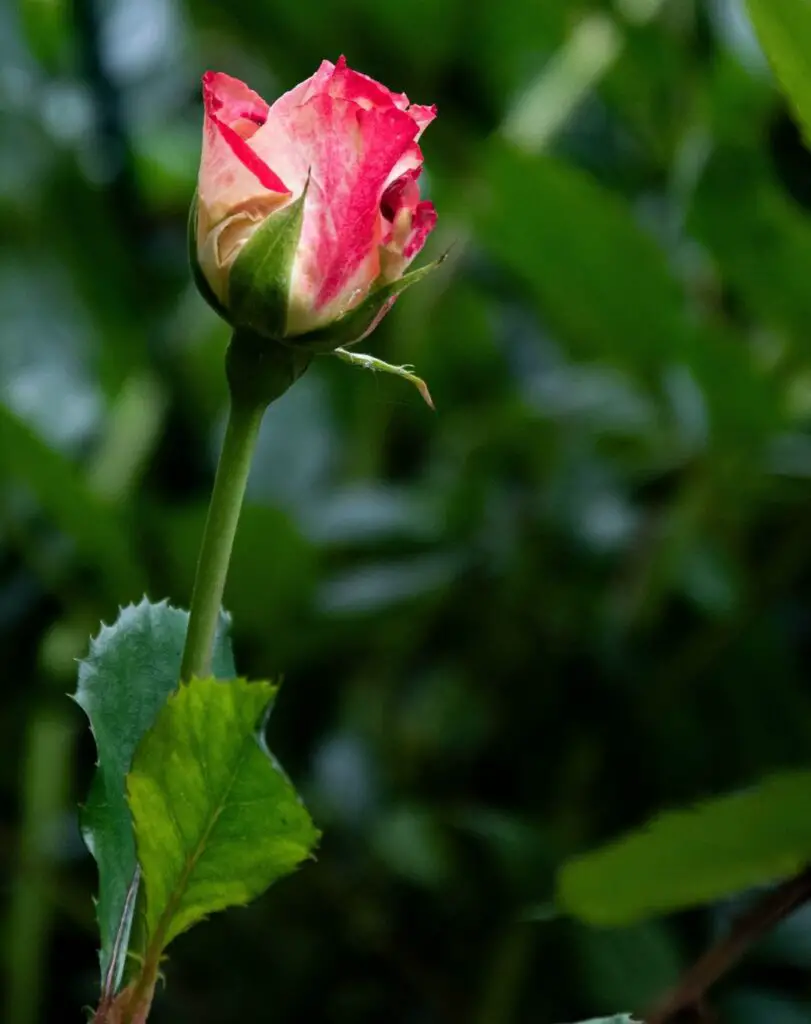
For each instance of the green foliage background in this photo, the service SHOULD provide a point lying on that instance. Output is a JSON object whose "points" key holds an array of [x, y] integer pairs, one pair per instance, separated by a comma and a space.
{"points": [[576, 596]]}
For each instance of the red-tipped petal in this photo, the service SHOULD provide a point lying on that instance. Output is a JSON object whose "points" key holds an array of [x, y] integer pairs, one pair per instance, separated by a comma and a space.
{"points": [[231, 174], [422, 116], [248, 158], [423, 223], [347, 84], [350, 152], [229, 99], [304, 91]]}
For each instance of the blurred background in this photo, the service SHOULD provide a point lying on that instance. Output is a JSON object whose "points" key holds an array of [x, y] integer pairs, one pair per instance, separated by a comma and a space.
{"points": [[577, 594]]}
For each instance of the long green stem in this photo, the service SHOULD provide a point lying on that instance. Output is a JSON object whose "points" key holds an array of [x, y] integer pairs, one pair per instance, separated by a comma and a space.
{"points": [[241, 433]]}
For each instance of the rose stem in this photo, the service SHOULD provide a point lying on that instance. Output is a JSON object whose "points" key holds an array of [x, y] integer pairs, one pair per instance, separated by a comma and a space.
{"points": [[244, 420]]}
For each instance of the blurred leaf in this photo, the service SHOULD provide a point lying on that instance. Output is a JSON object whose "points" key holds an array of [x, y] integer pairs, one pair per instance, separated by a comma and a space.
{"points": [[605, 287], [412, 844], [555, 97], [601, 398], [784, 29], [124, 681], [651, 54], [132, 431], [46, 25], [216, 819], [763, 255], [378, 586], [366, 514], [86, 237], [683, 858], [456, 350], [165, 162], [627, 966], [518, 38], [596, 276], [92, 524]]}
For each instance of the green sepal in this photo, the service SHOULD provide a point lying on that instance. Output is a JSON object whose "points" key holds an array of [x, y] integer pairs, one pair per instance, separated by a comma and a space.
{"points": [[200, 280], [260, 370], [260, 278], [366, 362], [358, 322]]}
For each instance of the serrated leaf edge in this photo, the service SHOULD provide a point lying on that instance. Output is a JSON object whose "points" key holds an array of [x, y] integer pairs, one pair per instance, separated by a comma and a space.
{"points": [[258, 736]]}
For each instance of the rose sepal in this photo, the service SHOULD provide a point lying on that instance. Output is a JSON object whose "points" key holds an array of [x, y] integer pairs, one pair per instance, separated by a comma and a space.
{"points": [[260, 370], [260, 280]]}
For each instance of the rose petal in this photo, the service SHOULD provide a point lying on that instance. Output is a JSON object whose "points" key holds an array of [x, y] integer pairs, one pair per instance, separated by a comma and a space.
{"points": [[229, 99], [422, 224], [347, 84], [299, 95], [422, 115], [406, 221], [349, 152], [231, 173], [356, 141], [404, 193], [410, 162], [248, 158]]}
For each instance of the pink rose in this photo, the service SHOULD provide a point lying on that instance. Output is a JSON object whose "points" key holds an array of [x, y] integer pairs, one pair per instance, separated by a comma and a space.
{"points": [[309, 210]]}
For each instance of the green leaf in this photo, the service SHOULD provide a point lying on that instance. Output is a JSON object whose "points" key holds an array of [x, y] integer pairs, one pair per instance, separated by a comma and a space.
{"points": [[216, 819], [784, 30], [259, 282], [360, 321], [131, 669], [684, 858]]}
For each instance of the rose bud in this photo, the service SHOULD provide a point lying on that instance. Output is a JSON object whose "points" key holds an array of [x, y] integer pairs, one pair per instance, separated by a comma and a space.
{"points": [[308, 212]]}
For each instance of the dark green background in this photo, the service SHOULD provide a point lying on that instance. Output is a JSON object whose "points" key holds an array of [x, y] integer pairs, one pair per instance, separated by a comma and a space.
{"points": [[575, 595]]}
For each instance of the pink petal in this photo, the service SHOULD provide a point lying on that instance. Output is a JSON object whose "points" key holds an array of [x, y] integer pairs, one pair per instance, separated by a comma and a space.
{"points": [[422, 225], [405, 223], [248, 158], [410, 162], [231, 173], [299, 95], [347, 84], [229, 99], [402, 194], [423, 116], [350, 152]]}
